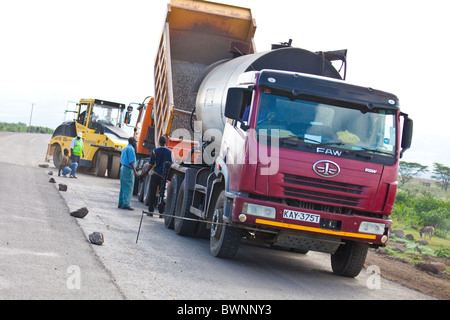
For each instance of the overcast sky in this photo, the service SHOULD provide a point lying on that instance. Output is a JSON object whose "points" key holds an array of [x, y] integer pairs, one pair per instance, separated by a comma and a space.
{"points": [[56, 51]]}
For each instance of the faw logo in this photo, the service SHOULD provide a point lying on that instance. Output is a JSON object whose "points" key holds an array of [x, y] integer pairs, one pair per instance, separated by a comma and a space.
{"points": [[330, 152], [326, 169]]}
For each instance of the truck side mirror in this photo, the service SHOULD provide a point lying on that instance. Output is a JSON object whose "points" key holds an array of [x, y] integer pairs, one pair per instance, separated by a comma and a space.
{"points": [[233, 106], [406, 134], [236, 102], [127, 117]]}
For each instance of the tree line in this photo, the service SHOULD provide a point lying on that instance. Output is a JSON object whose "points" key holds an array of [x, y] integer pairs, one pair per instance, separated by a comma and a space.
{"points": [[22, 127], [410, 170]]}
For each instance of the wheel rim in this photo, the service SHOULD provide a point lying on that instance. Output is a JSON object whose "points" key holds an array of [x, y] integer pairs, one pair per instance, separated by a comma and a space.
{"points": [[216, 228]]}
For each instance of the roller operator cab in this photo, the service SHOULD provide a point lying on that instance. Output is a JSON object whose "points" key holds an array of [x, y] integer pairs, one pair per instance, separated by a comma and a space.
{"points": [[100, 123]]}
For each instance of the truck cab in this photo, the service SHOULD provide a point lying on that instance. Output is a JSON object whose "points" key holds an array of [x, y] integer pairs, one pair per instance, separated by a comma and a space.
{"points": [[320, 160]]}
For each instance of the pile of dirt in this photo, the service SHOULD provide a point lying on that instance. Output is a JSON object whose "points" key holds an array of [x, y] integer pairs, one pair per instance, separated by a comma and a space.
{"points": [[184, 75], [403, 271]]}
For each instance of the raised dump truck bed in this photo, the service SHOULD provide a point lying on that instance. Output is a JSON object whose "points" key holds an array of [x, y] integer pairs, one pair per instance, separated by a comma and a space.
{"points": [[195, 35]]}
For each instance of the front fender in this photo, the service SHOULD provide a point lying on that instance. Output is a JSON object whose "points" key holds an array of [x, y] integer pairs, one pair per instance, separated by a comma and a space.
{"points": [[222, 181], [222, 173]]}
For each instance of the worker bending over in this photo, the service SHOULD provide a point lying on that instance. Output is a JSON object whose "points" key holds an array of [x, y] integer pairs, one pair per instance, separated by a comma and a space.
{"points": [[157, 159]]}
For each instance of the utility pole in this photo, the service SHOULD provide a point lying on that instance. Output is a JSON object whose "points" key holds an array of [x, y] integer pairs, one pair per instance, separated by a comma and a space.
{"points": [[31, 114]]}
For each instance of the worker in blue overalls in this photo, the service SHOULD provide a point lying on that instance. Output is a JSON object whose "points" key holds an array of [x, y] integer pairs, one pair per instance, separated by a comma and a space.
{"points": [[127, 174]]}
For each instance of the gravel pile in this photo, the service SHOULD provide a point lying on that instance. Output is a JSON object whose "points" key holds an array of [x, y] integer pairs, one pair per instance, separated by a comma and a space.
{"points": [[184, 75]]}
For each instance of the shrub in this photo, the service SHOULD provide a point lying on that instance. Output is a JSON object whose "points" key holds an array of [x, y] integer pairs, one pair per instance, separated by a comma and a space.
{"points": [[442, 252], [418, 209]]}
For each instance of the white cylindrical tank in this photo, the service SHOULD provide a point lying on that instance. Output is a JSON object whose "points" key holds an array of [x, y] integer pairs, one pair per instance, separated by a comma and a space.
{"points": [[212, 92]]}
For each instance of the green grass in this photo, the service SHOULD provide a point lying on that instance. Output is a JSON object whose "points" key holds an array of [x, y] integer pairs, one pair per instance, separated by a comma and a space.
{"points": [[434, 243], [439, 244]]}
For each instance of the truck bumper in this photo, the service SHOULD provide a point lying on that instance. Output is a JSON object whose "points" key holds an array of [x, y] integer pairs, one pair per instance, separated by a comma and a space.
{"points": [[324, 224]]}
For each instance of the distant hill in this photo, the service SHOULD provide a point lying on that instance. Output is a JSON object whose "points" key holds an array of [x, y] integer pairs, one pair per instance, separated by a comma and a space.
{"points": [[22, 127]]}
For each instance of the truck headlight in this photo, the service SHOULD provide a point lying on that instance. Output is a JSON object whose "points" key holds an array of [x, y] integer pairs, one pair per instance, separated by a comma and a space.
{"points": [[258, 210], [372, 227]]}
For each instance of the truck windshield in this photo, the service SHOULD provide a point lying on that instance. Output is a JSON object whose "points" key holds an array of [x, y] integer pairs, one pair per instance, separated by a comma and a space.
{"points": [[104, 115], [314, 124]]}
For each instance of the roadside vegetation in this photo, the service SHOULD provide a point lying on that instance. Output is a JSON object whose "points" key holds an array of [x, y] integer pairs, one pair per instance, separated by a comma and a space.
{"points": [[22, 127], [419, 203]]}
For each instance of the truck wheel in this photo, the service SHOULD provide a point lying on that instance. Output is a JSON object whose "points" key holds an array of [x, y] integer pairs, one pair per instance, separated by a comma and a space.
{"points": [[224, 240], [146, 197], [101, 164], [172, 196], [349, 258], [114, 171], [184, 227], [57, 156], [135, 187], [141, 189]]}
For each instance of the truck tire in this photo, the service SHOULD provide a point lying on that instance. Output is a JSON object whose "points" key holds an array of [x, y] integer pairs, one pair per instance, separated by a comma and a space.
{"points": [[349, 258], [184, 227], [141, 188], [224, 240], [57, 156], [114, 171], [101, 164], [146, 196], [146, 192], [141, 181], [135, 187], [171, 202]]}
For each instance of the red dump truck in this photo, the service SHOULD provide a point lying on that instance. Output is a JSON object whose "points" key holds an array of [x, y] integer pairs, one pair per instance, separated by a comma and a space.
{"points": [[282, 151]]}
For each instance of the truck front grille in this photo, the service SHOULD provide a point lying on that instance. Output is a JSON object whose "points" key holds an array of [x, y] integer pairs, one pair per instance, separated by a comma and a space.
{"points": [[321, 190]]}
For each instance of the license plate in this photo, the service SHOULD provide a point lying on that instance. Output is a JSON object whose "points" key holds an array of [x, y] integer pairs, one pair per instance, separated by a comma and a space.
{"points": [[301, 216]]}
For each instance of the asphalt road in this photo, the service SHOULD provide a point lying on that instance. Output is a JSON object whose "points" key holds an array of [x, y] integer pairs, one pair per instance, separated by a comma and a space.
{"points": [[45, 253]]}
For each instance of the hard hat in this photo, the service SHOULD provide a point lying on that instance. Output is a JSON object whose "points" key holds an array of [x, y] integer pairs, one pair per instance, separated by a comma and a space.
{"points": [[80, 135]]}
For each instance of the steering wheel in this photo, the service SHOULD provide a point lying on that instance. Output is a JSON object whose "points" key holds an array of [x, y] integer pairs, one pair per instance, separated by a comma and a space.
{"points": [[271, 119]]}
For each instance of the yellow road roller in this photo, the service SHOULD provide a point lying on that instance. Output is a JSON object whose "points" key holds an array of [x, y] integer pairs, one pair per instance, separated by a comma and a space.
{"points": [[101, 125]]}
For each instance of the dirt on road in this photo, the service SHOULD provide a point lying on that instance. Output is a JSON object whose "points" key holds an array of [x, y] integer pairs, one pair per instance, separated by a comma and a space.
{"points": [[403, 271]]}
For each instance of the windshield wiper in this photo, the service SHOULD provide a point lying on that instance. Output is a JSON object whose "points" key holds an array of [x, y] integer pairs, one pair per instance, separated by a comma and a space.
{"points": [[371, 150], [291, 139], [294, 139], [315, 143]]}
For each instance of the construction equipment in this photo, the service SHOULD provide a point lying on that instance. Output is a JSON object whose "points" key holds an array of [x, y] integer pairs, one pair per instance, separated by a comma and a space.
{"points": [[313, 167], [196, 35], [190, 28], [144, 133], [100, 123], [144, 128]]}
